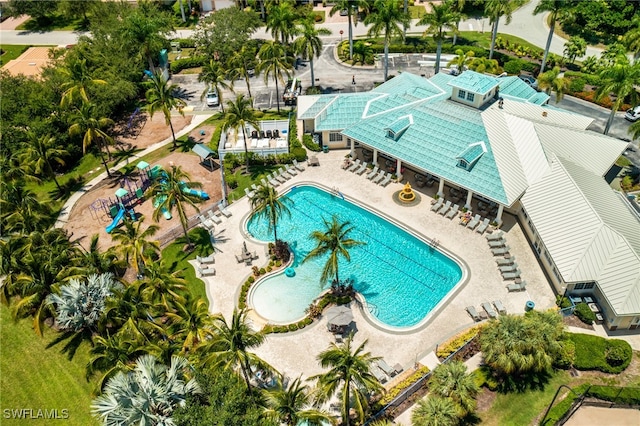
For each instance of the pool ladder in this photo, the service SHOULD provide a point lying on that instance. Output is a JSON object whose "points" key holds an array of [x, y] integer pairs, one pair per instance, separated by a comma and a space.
{"points": [[434, 243]]}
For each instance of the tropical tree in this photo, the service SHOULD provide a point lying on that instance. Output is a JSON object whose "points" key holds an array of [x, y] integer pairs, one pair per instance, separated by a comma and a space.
{"points": [[112, 354], [451, 380], [161, 97], [146, 395], [634, 130], [435, 411], [496, 9], [135, 243], [215, 78], [191, 323], [632, 38], [274, 62], [483, 65], [389, 19], [20, 210], [352, 7], [574, 47], [95, 261], [441, 18], [462, 60], [361, 51], [551, 80], [162, 285], [37, 154], [349, 376], [171, 191], [240, 114], [291, 405], [458, 6], [240, 63], [281, 20], [335, 242], [308, 45], [557, 9], [78, 81], [266, 204], [620, 79], [83, 122]]}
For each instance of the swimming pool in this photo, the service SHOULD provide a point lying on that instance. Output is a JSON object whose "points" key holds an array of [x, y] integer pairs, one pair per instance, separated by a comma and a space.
{"points": [[400, 276]]}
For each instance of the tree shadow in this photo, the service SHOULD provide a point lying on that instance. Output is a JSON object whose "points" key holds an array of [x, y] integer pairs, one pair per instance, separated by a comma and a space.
{"points": [[74, 184], [123, 152], [525, 381]]}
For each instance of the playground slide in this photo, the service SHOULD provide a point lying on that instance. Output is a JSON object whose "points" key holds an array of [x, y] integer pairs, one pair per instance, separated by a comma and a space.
{"points": [[159, 200], [195, 192], [116, 220]]}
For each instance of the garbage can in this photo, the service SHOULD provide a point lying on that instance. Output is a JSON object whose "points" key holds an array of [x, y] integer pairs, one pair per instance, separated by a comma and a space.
{"points": [[529, 306], [325, 149]]}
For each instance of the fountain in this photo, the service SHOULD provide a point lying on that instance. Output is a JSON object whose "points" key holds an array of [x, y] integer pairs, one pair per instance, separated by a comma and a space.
{"points": [[407, 195]]}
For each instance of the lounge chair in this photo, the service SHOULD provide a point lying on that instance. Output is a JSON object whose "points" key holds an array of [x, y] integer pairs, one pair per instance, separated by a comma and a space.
{"points": [[385, 367], [483, 226], [264, 182], [272, 180], [206, 222], [444, 208], [354, 166], [291, 170], [283, 174], [224, 210], [487, 307], [212, 216], [453, 212], [206, 272], [298, 166], [509, 268], [494, 236], [255, 187], [239, 258], [378, 373], [500, 251], [474, 314], [497, 243], [381, 174], [361, 169], [250, 194], [474, 222], [386, 180], [373, 173], [503, 261], [517, 287], [499, 307], [511, 275], [439, 202], [206, 260]]}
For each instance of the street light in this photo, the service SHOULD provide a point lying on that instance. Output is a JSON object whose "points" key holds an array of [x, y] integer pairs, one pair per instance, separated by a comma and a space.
{"points": [[341, 32]]}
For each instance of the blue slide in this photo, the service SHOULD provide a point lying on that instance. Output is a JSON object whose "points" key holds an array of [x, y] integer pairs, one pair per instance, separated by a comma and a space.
{"points": [[195, 192], [116, 220], [159, 200]]}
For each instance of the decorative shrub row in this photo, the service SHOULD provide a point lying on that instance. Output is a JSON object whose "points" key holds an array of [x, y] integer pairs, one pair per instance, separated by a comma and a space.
{"points": [[185, 42], [598, 353], [287, 328], [192, 62], [585, 313], [458, 341], [242, 303], [592, 79], [308, 142], [400, 387]]}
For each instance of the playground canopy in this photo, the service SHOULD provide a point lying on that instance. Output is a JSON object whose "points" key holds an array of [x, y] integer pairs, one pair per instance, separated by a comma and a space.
{"points": [[205, 153], [121, 192]]}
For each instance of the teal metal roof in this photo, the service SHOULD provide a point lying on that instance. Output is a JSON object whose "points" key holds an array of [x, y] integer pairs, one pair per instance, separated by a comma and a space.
{"points": [[472, 153], [400, 124], [513, 87], [346, 110], [540, 98], [402, 82], [472, 81], [319, 104]]}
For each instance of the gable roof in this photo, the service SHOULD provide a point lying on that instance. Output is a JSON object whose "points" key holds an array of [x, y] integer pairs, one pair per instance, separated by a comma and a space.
{"points": [[474, 82], [203, 151]]}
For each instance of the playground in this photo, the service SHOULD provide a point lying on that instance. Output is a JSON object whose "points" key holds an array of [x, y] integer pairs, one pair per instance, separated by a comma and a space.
{"points": [[91, 214]]}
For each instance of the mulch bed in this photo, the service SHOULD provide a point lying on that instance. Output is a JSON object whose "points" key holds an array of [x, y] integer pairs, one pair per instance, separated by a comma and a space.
{"points": [[574, 321]]}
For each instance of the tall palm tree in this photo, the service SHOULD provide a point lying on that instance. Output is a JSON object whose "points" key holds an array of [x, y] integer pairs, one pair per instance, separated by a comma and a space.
{"points": [[230, 346], [37, 154], [266, 204], [281, 20], [441, 18], [335, 242], [215, 77], [240, 114], [352, 7], [171, 190], [496, 9], [95, 261], [451, 380], [291, 405], [389, 19], [135, 243], [621, 80], [83, 122], [632, 38], [146, 395], [240, 63], [191, 323], [349, 375], [274, 62], [458, 6], [557, 9], [161, 97], [462, 60], [551, 81], [435, 411], [161, 285], [308, 45], [112, 354], [78, 81]]}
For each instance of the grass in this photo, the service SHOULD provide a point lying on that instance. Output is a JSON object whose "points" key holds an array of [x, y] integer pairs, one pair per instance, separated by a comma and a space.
{"points": [[56, 22], [245, 181], [321, 16], [12, 51], [484, 39], [417, 12], [34, 377]]}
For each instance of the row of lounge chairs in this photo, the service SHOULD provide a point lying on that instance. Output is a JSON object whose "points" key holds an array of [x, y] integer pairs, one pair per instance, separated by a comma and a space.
{"points": [[381, 370], [507, 265], [444, 208], [376, 175], [276, 178], [211, 218], [488, 308]]}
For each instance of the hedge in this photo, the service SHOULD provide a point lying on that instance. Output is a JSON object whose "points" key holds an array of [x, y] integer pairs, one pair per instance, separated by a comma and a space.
{"points": [[186, 42], [192, 62], [458, 341], [592, 79], [308, 142], [400, 387], [585, 313], [591, 353]]}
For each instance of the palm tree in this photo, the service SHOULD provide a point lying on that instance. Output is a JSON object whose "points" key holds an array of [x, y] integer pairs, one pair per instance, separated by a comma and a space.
{"points": [[462, 60], [335, 242], [389, 19], [274, 61], [239, 65], [574, 48], [20, 210], [171, 190], [83, 122], [95, 261], [134, 243], [550, 80], [634, 130], [161, 285], [79, 80], [281, 19], [37, 154], [309, 45], [266, 204], [352, 7], [112, 354], [496, 9], [483, 65], [441, 18], [240, 114], [229, 348], [291, 405], [214, 76], [621, 80], [191, 323], [435, 411], [632, 38], [161, 97], [349, 375], [362, 51], [451, 380], [557, 9], [146, 395], [458, 6]]}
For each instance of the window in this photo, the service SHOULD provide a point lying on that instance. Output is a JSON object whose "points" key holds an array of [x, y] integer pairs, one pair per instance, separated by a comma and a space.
{"points": [[546, 256], [335, 137], [462, 93], [390, 134], [524, 213], [463, 164], [557, 275], [584, 286], [470, 97]]}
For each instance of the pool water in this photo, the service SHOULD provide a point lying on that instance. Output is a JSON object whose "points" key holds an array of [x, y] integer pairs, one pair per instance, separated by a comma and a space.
{"points": [[401, 277]]}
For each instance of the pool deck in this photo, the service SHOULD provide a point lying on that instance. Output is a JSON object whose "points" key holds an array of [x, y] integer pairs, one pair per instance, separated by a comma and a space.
{"points": [[295, 354]]}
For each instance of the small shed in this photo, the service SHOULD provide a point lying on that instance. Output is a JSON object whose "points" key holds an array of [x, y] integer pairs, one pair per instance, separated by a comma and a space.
{"points": [[206, 154]]}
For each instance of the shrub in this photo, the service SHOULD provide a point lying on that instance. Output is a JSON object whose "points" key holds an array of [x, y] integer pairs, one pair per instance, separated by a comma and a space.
{"points": [[483, 376], [269, 268], [513, 67], [262, 271], [192, 62], [563, 302], [308, 142], [585, 314], [615, 356], [251, 280], [567, 354], [186, 42], [591, 353], [397, 389], [577, 85], [457, 341], [293, 327]]}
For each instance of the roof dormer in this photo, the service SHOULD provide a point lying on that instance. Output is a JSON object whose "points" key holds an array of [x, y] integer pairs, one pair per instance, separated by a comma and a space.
{"points": [[473, 89], [470, 156], [398, 127]]}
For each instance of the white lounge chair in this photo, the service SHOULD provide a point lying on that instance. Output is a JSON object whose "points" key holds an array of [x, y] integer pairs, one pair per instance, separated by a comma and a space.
{"points": [[264, 182], [283, 174], [511, 275], [499, 307], [224, 210], [509, 268], [373, 173], [272, 180], [378, 374], [474, 314], [361, 169], [503, 261], [206, 272], [442, 210], [298, 166], [517, 287], [212, 216], [500, 251], [494, 236], [291, 170], [386, 180], [255, 187], [497, 243], [385, 367], [354, 166], [439, 202], [483, 226], [487, 307], [277, 175], [206, 222], [474, 222], [250, 194], [453, 212], [381, 174], [206, 260]]}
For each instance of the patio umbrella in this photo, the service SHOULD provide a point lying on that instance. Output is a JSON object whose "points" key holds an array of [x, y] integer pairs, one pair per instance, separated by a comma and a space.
{"points": [[339, 316]]}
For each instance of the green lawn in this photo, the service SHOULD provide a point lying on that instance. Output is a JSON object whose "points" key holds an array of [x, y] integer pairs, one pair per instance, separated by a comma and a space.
{"points": [[33, 377], [245, 181], [484, 39], [417, 12], [12, 51], [56, 22]]}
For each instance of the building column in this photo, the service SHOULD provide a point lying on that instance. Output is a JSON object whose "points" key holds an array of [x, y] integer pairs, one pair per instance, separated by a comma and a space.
{"points": [[353, 148], [499, 215], [467, 205], [441, 187], [399, 169], [375, 156]]}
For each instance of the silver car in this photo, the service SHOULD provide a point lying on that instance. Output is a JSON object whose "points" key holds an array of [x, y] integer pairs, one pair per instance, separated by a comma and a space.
{"points": [[633, 114], [212, 98]]}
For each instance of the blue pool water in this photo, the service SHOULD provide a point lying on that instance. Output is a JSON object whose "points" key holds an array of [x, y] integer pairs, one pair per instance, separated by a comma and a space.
{"points": [[401, 277]]}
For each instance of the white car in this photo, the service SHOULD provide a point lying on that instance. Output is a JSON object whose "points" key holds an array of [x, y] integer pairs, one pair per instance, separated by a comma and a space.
{"points": [[633, 114], [212, 98]]}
